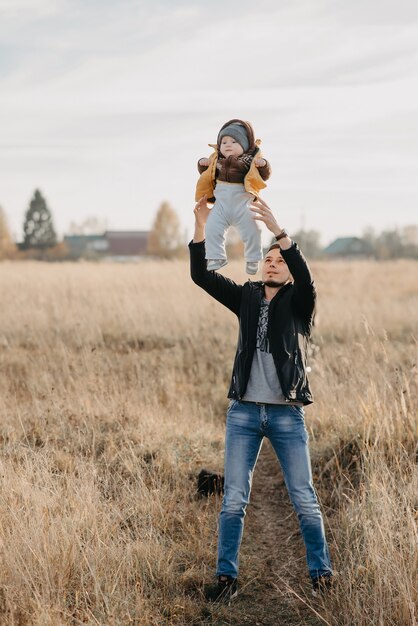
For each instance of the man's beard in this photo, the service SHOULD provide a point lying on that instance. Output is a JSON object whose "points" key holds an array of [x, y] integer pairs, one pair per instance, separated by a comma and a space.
{"points": [[274, 283]]}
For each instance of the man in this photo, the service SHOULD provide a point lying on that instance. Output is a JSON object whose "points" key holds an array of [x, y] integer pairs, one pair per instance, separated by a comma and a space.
{"points": [[268, 391]]}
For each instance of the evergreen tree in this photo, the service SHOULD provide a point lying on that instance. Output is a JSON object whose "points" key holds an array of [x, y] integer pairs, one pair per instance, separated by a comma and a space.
{"points": [[165, 238], [38, 228]]}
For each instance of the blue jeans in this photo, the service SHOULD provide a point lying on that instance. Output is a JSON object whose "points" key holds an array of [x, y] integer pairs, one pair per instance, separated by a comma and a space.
{"points": [[247, 423]]}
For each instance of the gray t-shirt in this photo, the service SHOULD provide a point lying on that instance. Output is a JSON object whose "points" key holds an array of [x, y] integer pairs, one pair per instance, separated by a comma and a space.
{"points": [[263, 384]]}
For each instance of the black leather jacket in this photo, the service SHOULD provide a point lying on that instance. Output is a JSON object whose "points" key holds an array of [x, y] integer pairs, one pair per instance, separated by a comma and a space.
{"points": [[289, 321]]}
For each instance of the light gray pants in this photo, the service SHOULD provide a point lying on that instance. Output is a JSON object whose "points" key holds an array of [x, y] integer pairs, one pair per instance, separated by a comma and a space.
{"points": [[231, 208]]}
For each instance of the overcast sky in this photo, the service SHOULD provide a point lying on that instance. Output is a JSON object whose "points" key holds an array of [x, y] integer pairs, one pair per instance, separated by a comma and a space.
{"points": [[106, 106]]}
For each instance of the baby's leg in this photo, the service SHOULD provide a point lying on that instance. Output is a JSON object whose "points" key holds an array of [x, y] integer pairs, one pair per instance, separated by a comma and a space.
{"points": [[250, 233], [216, 227]]}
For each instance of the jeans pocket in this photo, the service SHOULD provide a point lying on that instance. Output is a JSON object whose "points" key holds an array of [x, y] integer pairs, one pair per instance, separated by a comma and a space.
{"points": [[297, 410], [231, 405]]}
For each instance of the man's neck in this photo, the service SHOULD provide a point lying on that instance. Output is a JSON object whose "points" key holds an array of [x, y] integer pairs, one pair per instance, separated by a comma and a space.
{"points": [[270, 292]]}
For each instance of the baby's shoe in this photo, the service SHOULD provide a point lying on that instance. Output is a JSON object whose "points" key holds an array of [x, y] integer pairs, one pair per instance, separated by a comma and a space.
{"points": [[216, 264], [252, 267]]}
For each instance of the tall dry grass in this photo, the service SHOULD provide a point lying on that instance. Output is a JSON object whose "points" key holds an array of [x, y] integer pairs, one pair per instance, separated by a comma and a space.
{"points": [[112, 397]]}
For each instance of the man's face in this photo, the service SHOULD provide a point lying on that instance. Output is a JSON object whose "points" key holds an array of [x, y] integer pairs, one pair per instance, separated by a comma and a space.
{"points": [[275, 272], [230, 147]]}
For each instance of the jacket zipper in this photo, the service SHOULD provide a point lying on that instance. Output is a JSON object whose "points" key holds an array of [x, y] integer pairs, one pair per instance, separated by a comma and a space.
{"points": [[226, 170]]}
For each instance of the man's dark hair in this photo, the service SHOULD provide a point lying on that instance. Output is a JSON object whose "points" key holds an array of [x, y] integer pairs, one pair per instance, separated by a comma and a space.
{"points": [[273, 246]]}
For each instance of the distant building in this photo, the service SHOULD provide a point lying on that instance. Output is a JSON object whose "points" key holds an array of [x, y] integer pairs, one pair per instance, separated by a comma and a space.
{"points": [[89, 246], [130, 243], [115, 244], [348, 247]]}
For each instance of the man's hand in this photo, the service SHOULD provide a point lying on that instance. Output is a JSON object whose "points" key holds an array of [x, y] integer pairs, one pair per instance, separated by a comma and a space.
{"points": [[260, 162], [201, 213], [263, 213]]}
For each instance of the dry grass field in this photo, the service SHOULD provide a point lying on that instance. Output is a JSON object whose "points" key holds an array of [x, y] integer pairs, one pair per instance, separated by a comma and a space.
{"points": [[112, 398]]}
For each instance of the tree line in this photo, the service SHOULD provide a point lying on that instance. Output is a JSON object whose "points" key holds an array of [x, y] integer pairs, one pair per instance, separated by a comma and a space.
{"points": [[397, 243], [40, 241], [165, 240]]}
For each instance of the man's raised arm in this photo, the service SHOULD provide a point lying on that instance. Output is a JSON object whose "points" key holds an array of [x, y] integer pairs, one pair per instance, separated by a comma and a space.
{"points": [[219, 287], [304, 296]]}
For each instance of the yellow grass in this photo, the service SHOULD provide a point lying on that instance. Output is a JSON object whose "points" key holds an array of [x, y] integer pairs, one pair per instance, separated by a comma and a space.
{"points": [[112, 398]]}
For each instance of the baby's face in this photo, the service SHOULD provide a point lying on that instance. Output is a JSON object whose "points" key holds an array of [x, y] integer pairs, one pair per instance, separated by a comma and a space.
{"points": [[230, 147]]}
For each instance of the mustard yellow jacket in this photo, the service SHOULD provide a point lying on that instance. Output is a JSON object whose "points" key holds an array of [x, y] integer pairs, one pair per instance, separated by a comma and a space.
{"points": [[206, 183]]}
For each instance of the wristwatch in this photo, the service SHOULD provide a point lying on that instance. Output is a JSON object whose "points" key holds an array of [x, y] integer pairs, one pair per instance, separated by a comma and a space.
{"points": [[284, 233]]}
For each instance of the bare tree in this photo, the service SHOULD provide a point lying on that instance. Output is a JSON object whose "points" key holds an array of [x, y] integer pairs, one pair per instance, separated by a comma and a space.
{"points": [[309, 242], [6, 243], [165, 238], [233, 244], [90, 226]]}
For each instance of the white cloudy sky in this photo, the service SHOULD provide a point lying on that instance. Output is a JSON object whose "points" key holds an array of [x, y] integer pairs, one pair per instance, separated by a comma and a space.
{"points": [[106, 106]]}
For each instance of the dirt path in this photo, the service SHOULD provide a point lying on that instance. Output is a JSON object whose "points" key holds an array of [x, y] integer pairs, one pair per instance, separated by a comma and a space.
{"points": [[272, 556]]}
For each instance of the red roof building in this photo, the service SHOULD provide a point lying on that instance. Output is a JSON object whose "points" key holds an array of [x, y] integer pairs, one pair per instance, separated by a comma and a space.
{"points": [[126, 242]]}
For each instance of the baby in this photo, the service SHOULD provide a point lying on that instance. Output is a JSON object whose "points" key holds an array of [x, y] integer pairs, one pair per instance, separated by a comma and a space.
{"points": [[232, 178]]}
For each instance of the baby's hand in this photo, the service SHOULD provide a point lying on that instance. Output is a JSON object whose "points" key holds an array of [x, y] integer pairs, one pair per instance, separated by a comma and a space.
{"points": [[260, 162], [204, 162]]}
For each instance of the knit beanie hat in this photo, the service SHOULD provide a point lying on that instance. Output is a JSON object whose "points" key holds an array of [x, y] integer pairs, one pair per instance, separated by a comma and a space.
{"points": [[238, 132]]}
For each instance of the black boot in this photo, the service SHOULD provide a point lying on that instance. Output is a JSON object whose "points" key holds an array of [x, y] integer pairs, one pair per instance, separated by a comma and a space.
{"points": [[223, 591], [322, 584]]}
